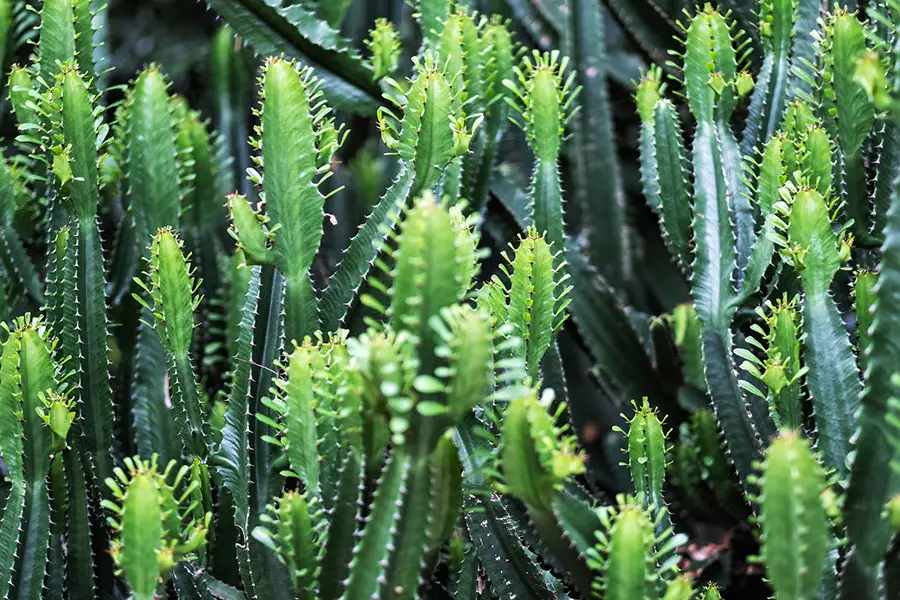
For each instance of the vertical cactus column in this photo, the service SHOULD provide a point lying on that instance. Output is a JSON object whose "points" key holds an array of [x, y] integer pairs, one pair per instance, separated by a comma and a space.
{"points": [[35, 422], [795, 529], [154, 200], [729, 258]]}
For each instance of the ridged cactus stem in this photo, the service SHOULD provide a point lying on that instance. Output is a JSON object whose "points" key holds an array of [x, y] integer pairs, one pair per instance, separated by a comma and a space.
{"points": [[544, 101], [29, 399], [709, 49], [171, 290], [795, 530], [500, 49], [536, 457], [95, 396], [872, 481], [833, 379], [430, 134], [371, 554]]}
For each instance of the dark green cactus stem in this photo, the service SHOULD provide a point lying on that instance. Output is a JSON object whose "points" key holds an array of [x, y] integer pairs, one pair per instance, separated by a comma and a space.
{"points": [[172, 300], [544, 103], [151, 167], [832, 379], [78, 133], [232, 82], [333, 12], [233, 453], [708, 49], [204, 217], [155, 196], [498, 44], [872, 481], [597, 178], [271, 579], [427, 137], [795, 531], [446, 493], [664, 166], [778, 19], [78, 496]]}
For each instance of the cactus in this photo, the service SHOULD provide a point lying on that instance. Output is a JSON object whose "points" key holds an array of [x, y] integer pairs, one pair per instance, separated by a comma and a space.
{"points": [[219, 392]]}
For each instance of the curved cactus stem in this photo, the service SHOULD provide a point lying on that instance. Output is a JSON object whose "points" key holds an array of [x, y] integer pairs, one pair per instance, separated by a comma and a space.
{"points": [[370, 557], [773, 86], [598, 187], [80, 568], [342, 525], [364, 247], [872, 480], [833, 379], [233, 455], [295, 31]]}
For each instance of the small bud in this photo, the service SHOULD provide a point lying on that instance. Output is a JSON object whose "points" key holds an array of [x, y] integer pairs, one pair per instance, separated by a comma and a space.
{"points": [[717, 83], [830, 502], [165, 560], [893, 513], [871, 76], [744, 84], [775, 377], [62, 166], [845, 246], [462, 136], [648, 94], [60, 419]]}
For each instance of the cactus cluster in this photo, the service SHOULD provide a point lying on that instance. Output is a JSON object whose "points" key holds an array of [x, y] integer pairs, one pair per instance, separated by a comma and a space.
{"points": [[460, 365]]}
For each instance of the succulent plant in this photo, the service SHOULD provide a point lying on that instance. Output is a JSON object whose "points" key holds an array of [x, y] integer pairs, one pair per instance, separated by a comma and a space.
{"points": [[234, 367]]}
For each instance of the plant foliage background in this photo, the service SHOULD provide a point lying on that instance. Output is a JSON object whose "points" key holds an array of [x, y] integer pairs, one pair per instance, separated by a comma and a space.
{"points": [[477, 299]]}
